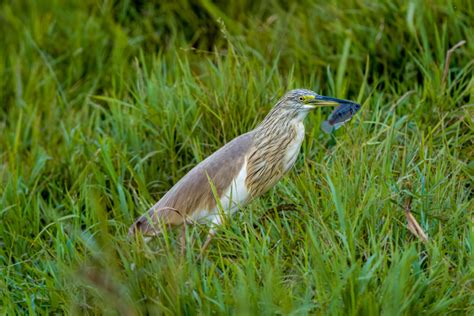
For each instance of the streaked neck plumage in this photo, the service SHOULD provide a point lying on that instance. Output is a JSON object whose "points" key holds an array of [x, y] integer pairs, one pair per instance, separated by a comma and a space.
{"points": [[277, 141]]}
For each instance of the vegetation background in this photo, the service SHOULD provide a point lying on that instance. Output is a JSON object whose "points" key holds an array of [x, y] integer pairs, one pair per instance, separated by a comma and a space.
{"points": [[106, 104]]}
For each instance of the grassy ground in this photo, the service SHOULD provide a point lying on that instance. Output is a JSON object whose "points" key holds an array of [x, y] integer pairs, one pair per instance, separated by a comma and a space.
{"points": [[104, 106]]}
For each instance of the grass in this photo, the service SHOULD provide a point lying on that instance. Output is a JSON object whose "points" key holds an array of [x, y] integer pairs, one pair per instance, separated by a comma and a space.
{"points": [[105, 105]]}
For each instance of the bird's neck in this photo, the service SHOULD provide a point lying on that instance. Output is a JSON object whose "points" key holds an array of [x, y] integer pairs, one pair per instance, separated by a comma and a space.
{"points": [[268, 160], [275, 123], [279, 125]]}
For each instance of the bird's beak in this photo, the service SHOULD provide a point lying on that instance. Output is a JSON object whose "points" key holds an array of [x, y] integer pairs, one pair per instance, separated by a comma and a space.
{"points": [[321, 100]]}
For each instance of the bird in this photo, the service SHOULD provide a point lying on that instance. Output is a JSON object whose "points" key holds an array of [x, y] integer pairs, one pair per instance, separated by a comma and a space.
{"points": [[240, 171]]}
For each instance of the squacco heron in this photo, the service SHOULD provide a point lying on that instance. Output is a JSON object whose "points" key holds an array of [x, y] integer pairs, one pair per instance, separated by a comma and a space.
{"points": [[243, 169]]}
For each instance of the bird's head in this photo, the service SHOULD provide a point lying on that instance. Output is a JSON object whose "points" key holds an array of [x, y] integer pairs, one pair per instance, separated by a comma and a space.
{"points": [[296, 104]]}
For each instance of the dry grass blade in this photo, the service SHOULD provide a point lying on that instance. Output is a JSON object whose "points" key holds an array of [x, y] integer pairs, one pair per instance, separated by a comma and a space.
{"points": [[448, 60], [412, 223]]}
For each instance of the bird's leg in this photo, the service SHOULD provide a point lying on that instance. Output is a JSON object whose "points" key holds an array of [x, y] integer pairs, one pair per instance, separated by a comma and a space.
{"points": [[183, 239], [211, 234], [216, 221]]}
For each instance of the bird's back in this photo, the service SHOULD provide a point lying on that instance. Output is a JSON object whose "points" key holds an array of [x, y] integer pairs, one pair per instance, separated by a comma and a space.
{"points": [[193, 193]]}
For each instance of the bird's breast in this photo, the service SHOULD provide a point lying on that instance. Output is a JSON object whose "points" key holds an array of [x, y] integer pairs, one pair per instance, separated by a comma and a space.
{"points": [[235, 196], [271, 157], [294, 147]]}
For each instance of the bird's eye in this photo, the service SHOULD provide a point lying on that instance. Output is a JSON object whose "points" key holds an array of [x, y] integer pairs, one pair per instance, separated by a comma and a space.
{"points": [[301, 98]]}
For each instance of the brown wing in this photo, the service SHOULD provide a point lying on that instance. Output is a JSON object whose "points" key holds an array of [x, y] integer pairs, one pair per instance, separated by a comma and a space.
{"points": [[193, 192]]}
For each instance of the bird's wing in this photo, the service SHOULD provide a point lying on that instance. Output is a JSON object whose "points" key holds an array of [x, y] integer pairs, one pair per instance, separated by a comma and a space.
{"points": [[193, 192]]}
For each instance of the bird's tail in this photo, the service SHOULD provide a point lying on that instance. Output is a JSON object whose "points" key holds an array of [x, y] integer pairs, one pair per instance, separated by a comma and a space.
{"points": [[152, 222], [327, 127], [144, 225]]}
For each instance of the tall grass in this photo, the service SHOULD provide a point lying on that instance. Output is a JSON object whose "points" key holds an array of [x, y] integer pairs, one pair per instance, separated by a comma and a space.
{"points": [[105, 105]]}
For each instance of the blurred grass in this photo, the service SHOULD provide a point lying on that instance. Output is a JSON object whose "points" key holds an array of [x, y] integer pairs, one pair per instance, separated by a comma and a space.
{"points": [[105, 105]]}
